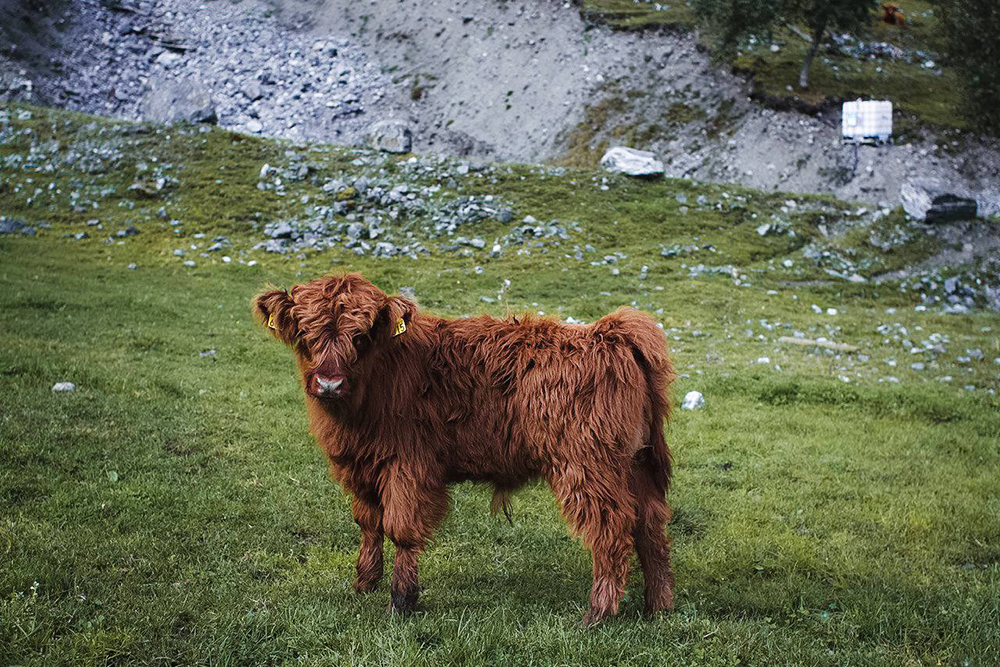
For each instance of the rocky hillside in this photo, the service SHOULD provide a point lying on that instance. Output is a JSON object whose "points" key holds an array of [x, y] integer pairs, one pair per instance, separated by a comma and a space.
{"points": [[523, 82], [192, 195]]}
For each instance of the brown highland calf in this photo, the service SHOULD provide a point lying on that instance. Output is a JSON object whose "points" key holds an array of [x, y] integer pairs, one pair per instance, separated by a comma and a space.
{"points": [[405, 403]]}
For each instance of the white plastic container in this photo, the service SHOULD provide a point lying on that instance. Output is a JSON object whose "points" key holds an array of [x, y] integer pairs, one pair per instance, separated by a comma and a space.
{"points": [[867, 121]]}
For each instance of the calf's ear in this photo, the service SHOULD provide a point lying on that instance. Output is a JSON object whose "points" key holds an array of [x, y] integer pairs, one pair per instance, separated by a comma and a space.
{"points": [[395, 315], [273, 309]]}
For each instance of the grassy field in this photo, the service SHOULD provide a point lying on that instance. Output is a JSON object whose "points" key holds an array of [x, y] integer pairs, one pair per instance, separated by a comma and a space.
{"points": [[173, 509], [923, 95]]}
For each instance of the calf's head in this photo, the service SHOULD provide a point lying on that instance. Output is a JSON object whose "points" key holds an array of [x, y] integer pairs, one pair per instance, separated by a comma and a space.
{"points": [[337, 326]]}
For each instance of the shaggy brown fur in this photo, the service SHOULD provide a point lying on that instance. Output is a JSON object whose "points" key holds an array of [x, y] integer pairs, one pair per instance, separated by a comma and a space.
{"points": [[403, 415]]}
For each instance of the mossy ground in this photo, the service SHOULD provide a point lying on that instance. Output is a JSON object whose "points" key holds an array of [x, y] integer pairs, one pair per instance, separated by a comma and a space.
{"points": [[173, 508]]}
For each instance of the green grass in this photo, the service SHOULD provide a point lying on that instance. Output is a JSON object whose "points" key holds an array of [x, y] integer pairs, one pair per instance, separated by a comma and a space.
{"points": [[642, 15], [174, 509]]}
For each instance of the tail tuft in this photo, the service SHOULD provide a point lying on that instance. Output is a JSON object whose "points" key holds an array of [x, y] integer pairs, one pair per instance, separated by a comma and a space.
{"points": [[501, 503]]}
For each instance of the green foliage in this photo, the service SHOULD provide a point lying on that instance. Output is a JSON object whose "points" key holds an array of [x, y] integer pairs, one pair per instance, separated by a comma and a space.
{"points": [[973, 30], [733, 21]]}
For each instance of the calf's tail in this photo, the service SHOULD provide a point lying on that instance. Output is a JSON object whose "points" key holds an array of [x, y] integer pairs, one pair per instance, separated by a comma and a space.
{"points": [[649, 347]]}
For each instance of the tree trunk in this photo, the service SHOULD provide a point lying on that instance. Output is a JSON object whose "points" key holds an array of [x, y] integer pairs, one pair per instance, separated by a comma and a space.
{"points": [[817, 37]]}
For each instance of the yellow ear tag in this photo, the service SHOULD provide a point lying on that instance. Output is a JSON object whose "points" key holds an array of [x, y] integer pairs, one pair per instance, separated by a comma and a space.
{"points": [[400, 328], [270, 321]]}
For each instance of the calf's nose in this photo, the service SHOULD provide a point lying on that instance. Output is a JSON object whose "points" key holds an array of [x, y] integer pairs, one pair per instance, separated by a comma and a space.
{"points": [[327, 386]]}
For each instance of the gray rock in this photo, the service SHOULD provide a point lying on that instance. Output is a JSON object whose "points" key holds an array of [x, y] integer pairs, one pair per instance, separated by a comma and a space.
{"points": [[282, 230], [622, 160], [355, 230], [252, 92], [391, 136], [8, 226], [183, 100], [169, 59], [59, 387], [931, 200]]}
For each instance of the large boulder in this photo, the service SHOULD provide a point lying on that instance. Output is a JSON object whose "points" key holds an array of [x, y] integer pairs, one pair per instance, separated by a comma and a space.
{"points": [[931, 200], [186, 100], [391, 136], [622, 160]]}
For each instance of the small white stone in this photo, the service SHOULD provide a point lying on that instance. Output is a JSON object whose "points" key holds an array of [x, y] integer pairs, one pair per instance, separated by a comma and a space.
{"points": [[693, 400], [63, 386]]}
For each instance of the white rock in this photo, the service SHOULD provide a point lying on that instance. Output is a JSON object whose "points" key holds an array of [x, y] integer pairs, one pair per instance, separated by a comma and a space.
{"points": [[693, 400], [254, 126], [622, 160], [63, 386]]}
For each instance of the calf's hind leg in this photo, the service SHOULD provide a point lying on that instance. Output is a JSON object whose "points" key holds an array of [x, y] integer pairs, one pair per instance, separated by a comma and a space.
{"points": [[651, 543], [597, 502], [412, 511]]}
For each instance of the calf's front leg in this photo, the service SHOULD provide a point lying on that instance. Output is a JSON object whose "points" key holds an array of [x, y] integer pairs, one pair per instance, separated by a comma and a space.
{"points": [[368, 516], [413, 509]]}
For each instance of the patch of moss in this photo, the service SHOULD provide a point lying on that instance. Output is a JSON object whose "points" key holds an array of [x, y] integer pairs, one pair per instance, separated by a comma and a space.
{"points": [[581, 150], [680, 113]]}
